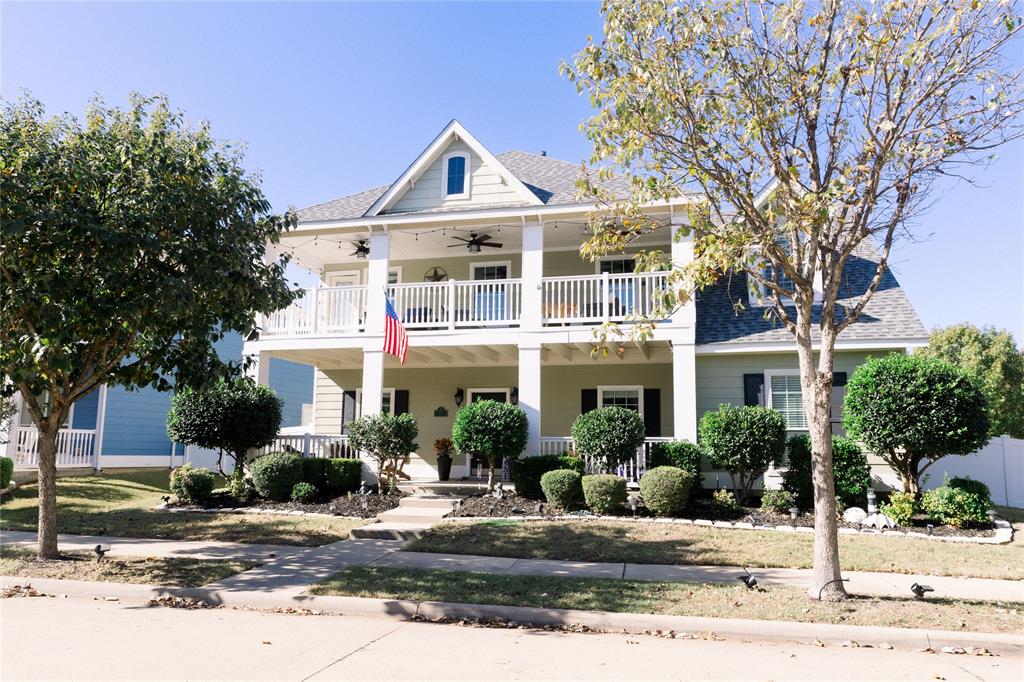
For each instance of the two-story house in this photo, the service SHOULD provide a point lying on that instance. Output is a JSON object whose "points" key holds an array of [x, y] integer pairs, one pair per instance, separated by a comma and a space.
{"points": [[480, 254]]}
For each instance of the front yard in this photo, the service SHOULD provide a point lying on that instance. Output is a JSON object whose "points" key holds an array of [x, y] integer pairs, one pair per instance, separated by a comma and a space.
{"points": [[670, 598], [122, 505], [662, 543]]}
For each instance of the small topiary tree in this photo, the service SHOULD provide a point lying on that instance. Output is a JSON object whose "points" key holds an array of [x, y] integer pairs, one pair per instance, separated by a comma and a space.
{"points": [[912, 410], [850, 469], [387, 439], [562, 487], [491, 429], [604, 493], [275, 474], [526, 472], [681, 454], [192, 484], [611, 435], [232, 417], [744, 441], [665, 490]]}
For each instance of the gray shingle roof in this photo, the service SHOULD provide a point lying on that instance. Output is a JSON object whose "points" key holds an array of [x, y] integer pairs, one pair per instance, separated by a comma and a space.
{"points": [[552, 180], [888, 315]]}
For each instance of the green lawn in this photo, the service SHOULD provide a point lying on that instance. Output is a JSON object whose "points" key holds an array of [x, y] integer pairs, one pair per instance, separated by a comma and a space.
{"points": [[656, 543], [164, 571], [680, 599], [122, 504]]}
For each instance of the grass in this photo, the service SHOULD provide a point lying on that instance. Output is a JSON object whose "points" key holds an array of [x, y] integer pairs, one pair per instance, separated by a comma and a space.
{"points": [[670, 598], [656, 543], [168, 572], [122, 505]]}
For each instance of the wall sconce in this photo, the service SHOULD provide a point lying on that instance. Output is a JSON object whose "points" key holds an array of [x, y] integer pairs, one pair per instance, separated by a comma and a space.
{"points": [[513, 396], [460, 395]]}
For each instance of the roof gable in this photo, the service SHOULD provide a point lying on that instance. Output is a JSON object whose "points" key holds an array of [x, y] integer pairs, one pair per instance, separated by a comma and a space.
{"points": [[486, 171]]}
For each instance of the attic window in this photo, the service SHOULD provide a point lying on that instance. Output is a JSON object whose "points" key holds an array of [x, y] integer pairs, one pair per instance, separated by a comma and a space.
{"points": [[456, 174]]}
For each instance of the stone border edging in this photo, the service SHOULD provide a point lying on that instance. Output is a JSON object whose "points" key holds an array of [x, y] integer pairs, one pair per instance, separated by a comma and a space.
{"points": [[740, 629], [1003, 532]]}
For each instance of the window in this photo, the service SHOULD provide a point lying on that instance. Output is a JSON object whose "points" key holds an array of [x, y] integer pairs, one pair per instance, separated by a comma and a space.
{"points": [[455, 176], [394, 275], [785, 395], [629, 397], [616, 266], [485, 271], [43, 399], [387, 401]]}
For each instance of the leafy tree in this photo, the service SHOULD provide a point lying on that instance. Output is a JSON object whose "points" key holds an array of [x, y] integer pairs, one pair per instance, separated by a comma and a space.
{"points": [[388, 439], [744, 441], [790, 134], [993, 357], [132, 243], [491, 429], [611, 435], [912, 410], [232, 416]]}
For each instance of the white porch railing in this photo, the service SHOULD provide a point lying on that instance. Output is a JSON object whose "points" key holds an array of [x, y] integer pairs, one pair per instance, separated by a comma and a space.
{"points": [[632, 470], [75, 448], [312, 445], [320, 310], [593, 299]]}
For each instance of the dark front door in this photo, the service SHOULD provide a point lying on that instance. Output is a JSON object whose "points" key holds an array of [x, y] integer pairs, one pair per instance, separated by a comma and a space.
{"points": [[478, 463]]}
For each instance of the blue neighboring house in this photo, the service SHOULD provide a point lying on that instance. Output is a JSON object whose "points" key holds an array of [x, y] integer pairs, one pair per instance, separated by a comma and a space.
{"points": [[114, 427]]}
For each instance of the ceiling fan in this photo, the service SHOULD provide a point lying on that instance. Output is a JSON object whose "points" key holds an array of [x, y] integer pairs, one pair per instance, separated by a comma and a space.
{"points": [[362, 249], [475, 242]]}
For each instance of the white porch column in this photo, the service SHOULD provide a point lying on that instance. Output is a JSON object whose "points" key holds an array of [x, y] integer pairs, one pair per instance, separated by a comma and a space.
{"points": [[684, 391], [101, 421], [529, 394], [259, 370], [682, 254], [373, 379], [376, 283], [532, 272]]}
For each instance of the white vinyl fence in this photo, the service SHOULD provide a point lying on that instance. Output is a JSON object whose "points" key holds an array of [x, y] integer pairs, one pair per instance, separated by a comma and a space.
{"points": [[999, 465]]}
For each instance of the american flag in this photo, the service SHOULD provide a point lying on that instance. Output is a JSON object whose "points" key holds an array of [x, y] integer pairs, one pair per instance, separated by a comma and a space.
{"points": [[396, 339]]}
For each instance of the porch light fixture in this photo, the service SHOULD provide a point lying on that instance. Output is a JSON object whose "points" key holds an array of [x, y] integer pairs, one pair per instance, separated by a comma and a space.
{"points": [[460, 395], [513, 395]]}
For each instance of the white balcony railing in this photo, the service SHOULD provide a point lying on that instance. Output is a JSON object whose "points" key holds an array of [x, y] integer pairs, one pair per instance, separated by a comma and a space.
{"points": [[632, 470], [75, 448], [593, 299]]}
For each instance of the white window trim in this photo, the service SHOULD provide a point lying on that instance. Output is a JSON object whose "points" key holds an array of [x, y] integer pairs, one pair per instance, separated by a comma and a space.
{"points": [[766, 394], [621, 256], [444, 176], [488, 264], [22, 407], [397, 269], [471, 391], [638, 388], [359, 400], [332, 274]]}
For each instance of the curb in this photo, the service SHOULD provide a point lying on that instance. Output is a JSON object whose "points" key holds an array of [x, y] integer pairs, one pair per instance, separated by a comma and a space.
{"points": [[906, 639]]}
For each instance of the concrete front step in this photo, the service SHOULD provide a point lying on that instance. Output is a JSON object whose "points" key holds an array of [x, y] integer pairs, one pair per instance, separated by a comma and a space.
{"points": [[422, 515], [390, 531], [445, 502]]}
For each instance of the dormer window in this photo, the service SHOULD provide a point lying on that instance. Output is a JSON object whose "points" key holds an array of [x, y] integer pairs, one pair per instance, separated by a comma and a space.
{"points": [[455, 180]]}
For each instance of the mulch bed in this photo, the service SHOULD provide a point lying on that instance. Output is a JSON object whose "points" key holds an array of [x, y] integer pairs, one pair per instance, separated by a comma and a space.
{"points": [[487, 506], [345, 505]]}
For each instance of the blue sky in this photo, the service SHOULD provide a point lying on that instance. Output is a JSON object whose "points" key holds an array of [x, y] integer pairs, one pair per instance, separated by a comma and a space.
{"points": [[333, 98]]}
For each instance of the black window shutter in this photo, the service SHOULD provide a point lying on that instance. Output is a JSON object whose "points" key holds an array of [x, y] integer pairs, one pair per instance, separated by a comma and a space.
{"points": [[348, 409], [401, 402], [838, 379], [588, 400], [652, 412], [753, 388]]}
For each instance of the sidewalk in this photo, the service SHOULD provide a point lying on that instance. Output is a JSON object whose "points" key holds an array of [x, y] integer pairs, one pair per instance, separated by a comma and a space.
{"points": [[209, 549]]}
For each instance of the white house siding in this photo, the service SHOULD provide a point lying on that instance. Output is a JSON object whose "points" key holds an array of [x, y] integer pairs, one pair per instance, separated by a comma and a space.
{"points": [[486, 187]]}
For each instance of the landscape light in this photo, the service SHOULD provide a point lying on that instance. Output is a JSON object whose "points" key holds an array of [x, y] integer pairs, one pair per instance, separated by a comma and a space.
{"points": [[920, 590], [748, 580]]}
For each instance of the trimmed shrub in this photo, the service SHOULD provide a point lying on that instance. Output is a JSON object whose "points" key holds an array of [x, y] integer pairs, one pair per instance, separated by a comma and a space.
{"points": [[604, 493], [665, 490], [241, 489], [850, 468], [778, 501], [342, 475], [526, 472], [724, 499], [562, 487], [611, 435], [6, 471], [955, 506], [744, 441], [275, 474], [681, 454], [314, 472], [970, 485], [492, 430], [192, 484], [303, 492], [900, 508]]}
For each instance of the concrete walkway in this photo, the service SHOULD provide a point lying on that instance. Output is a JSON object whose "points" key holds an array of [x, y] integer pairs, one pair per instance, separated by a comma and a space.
{"points": [[860, 582]]}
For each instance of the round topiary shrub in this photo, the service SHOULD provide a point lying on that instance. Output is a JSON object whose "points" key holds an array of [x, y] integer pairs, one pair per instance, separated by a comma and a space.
{"points": [[192, 484], [611, 435], [850, 468], [562, 487], [303, 492], [778, 501], [665, 490], [275, 474], [955, 506], [526, 472], [744, 441], [900, 508], [492, 430], [681, 454], [604, 493]]}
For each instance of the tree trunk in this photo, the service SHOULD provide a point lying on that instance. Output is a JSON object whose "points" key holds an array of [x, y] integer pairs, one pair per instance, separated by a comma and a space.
{"points": [[490, 474], [47, 472], [816, 380]]}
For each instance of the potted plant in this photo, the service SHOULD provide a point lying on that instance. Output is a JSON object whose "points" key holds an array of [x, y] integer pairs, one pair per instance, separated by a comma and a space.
{"points": [[443, 450]]}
